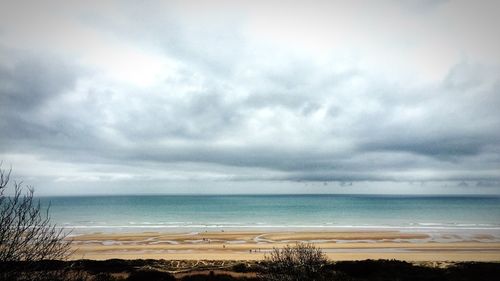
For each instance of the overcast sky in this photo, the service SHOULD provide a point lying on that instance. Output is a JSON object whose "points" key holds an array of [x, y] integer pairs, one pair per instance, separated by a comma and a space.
{"points": [[251, 96]]}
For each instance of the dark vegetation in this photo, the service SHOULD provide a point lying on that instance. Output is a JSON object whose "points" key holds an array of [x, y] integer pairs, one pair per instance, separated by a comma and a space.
{"points": [[300, 262], [368, 270]]}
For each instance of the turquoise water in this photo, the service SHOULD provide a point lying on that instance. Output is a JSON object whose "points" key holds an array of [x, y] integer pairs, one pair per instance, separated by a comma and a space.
{"points": [[194, 213]]}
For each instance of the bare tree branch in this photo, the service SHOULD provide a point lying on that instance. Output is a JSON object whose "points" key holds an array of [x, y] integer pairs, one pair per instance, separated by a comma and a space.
{"points": [[26, 232]]}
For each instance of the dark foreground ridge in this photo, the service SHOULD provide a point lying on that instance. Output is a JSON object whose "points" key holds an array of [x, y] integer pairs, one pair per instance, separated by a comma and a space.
{"points": [[115, 269]]}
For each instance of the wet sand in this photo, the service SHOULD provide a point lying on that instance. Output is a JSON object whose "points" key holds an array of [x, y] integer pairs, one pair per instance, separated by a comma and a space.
{"points": [[337, 245]]}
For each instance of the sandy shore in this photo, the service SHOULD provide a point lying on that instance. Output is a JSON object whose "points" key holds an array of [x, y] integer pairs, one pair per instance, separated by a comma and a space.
{"points": [[337, 245]]}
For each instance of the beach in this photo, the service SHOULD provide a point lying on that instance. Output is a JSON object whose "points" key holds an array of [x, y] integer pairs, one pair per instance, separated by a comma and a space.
{"points": [[254, 245], [247, 227]]}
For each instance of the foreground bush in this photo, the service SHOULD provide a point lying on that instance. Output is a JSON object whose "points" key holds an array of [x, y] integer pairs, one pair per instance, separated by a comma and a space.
{"points": [[300, 262], [26, 233]]}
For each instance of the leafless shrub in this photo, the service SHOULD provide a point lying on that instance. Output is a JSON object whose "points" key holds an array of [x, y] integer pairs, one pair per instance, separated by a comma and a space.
{"points": [[26, 234], [300, 262]]}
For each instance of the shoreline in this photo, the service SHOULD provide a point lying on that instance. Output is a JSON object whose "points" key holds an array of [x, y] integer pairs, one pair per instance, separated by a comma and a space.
{"points": [[253, 245], [461, 231]]}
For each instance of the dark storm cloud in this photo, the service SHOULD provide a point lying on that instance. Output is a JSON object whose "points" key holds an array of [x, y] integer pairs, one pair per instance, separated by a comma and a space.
{"points": [[457, 146], [458, 119], [28, 82]]}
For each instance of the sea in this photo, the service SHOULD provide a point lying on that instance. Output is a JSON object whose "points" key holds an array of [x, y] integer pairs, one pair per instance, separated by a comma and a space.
{"points": [[187, 213]]}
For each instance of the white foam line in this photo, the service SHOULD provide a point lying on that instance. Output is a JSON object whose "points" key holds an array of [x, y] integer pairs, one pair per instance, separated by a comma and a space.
{"points": [[285, 226]]}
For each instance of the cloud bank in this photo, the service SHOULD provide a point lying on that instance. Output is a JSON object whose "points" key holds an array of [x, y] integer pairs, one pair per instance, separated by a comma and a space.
{"points": [[116, 96]]}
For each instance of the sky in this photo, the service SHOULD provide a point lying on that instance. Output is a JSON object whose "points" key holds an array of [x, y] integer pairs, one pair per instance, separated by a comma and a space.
{"points": [[129, 97]]}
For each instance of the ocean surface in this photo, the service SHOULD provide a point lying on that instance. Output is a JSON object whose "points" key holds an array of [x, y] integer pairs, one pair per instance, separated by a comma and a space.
{"points": [[274, 212]]}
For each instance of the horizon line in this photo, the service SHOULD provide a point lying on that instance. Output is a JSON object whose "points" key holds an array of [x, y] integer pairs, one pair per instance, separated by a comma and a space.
{"points": [[274, 194]]}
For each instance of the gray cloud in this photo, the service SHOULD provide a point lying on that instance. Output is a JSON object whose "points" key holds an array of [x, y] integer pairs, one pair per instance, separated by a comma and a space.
{"points": [[224, 105], [454, 119], [28, 82]]}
